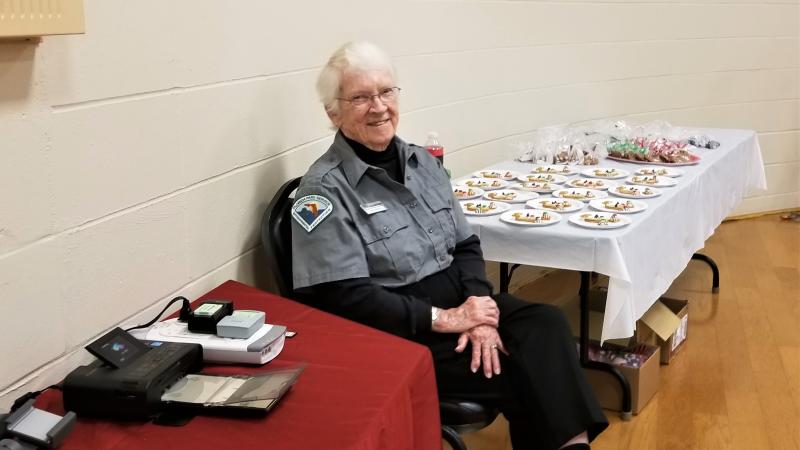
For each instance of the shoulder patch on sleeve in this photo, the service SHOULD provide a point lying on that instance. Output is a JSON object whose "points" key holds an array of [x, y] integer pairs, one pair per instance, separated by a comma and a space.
{"points": [[311, 210]]}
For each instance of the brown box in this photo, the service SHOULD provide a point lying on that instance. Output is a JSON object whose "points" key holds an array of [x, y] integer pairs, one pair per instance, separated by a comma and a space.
{"points": [[665, 324], [644, 382]]}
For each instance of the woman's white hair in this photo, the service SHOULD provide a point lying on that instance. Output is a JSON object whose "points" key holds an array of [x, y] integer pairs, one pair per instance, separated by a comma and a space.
{"points": [[353, 56]]}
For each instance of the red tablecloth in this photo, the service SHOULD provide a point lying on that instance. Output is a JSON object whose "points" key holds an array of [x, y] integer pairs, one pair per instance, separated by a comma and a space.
{"points": [[361, 389]]}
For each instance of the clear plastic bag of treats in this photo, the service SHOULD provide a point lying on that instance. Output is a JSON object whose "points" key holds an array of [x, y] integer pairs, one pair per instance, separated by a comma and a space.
{"points": [[592, 154], [524, 150], [541, 148], [654, 130], [619, 130], [545, 144], [702, 141], [585, 145], [545, 153], [569, 147], [607, 132], [563, 152], [659, 133], [594, 142]]}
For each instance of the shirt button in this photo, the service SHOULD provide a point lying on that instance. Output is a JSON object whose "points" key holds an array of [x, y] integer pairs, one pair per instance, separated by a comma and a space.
{"points": [[413, 204], [441, 258], [386, 230], [408, 177], [430, 230]]}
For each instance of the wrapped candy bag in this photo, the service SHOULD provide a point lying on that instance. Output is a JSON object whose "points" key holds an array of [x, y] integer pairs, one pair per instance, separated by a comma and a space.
{"points": [[632, 357], [703, 142], [525, 151]]}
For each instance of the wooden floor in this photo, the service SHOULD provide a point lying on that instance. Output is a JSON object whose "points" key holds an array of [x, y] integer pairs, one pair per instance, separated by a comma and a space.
{"points": [[736, 382]]}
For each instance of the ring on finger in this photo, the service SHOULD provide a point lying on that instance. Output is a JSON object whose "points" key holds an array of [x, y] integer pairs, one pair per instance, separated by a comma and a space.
{"points": [[494, 346]]}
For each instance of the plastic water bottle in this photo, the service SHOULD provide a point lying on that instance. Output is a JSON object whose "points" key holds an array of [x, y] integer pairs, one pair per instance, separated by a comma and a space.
{"points": [[434, 147]]}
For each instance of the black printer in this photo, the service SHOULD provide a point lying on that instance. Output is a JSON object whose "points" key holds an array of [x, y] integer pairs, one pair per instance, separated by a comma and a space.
{"points": [[130, 377]]}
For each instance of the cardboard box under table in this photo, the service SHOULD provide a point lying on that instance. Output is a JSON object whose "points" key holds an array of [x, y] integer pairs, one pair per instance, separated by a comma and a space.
{"points": [[643, 376], [644, 379], [665, 324]]}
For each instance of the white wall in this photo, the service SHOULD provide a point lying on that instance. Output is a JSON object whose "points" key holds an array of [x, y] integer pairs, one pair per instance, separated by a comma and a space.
{"points": [[137, 159]]}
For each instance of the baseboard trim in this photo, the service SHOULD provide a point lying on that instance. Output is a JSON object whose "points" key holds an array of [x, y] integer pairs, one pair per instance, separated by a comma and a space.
{"points": [[760, 214]]}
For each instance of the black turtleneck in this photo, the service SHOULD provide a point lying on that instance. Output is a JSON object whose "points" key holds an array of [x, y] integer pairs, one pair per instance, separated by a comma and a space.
{"points": [[388, 160]]}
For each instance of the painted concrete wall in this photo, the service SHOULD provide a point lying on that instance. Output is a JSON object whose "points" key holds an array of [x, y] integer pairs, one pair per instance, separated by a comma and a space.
{"points": [[136, 159]]}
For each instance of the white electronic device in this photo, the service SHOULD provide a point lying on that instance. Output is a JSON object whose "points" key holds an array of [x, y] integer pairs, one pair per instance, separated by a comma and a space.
{"points": [[262, 347]]}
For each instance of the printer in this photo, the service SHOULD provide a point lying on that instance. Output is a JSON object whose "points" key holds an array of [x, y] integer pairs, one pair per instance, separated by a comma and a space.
{"points": [[130, 376]]}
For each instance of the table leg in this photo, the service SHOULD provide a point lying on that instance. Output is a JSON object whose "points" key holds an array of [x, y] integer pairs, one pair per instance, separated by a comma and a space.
{"points": [[714, 270], [626, 413], [505, 276]]}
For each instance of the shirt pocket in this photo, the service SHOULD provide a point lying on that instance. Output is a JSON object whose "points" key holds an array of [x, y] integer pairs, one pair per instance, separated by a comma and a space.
{"points": [[440, 202], [383, 235]]}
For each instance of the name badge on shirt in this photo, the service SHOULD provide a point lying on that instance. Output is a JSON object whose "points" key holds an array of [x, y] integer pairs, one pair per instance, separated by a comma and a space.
{"points": [[373, 207]]}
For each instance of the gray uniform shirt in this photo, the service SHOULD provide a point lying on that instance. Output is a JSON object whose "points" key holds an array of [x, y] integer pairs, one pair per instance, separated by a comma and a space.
{"points": [[350, 220]]}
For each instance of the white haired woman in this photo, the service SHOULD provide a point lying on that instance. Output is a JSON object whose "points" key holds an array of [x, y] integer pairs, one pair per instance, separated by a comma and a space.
{"points": [[378, 238]]}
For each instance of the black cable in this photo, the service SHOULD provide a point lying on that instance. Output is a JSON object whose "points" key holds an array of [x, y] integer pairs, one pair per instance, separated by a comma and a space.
{"points": [[25, 397], [184, 315]]}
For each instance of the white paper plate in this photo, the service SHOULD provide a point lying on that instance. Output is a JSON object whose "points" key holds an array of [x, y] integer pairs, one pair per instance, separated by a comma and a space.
{"points": [[562, 205], [614, 205], [609, 173], [536, 186], [627, 191], [487, 184], [591, 183], [651, 180], [580, 194], [497, 174], [660, 171], [509, 196], [558, 169], [601, 220], [542, 178], [465, 192], [483, 207], [530, 217]]}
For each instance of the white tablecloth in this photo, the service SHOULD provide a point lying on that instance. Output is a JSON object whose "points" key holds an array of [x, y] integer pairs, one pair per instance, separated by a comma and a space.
{"points": [[643, 258]]}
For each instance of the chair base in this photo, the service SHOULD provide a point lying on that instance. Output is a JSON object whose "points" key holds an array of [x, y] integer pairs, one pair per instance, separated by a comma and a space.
{"points": [[452, 437], [463, 416]]}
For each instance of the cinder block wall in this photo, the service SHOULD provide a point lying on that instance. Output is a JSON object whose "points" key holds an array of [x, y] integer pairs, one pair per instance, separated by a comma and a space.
{"points": [[137, 158]]}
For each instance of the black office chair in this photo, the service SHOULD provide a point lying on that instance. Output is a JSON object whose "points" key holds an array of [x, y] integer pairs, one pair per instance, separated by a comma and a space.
{"points": [[458, 416], [276, 237]]}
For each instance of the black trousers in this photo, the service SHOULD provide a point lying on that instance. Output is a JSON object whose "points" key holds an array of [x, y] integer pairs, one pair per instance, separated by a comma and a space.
{"points": [[542, 390]]}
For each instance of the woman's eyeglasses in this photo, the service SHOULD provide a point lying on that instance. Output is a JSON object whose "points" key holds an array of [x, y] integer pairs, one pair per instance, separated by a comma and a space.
{"points": [[388, 95]]}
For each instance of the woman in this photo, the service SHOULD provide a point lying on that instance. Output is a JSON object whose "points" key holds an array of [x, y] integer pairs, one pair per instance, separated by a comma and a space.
{"points": [[378, 238]]}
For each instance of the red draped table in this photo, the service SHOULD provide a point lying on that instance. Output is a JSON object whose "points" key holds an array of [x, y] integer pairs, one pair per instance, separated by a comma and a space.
{"points": [[361, 389]]}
